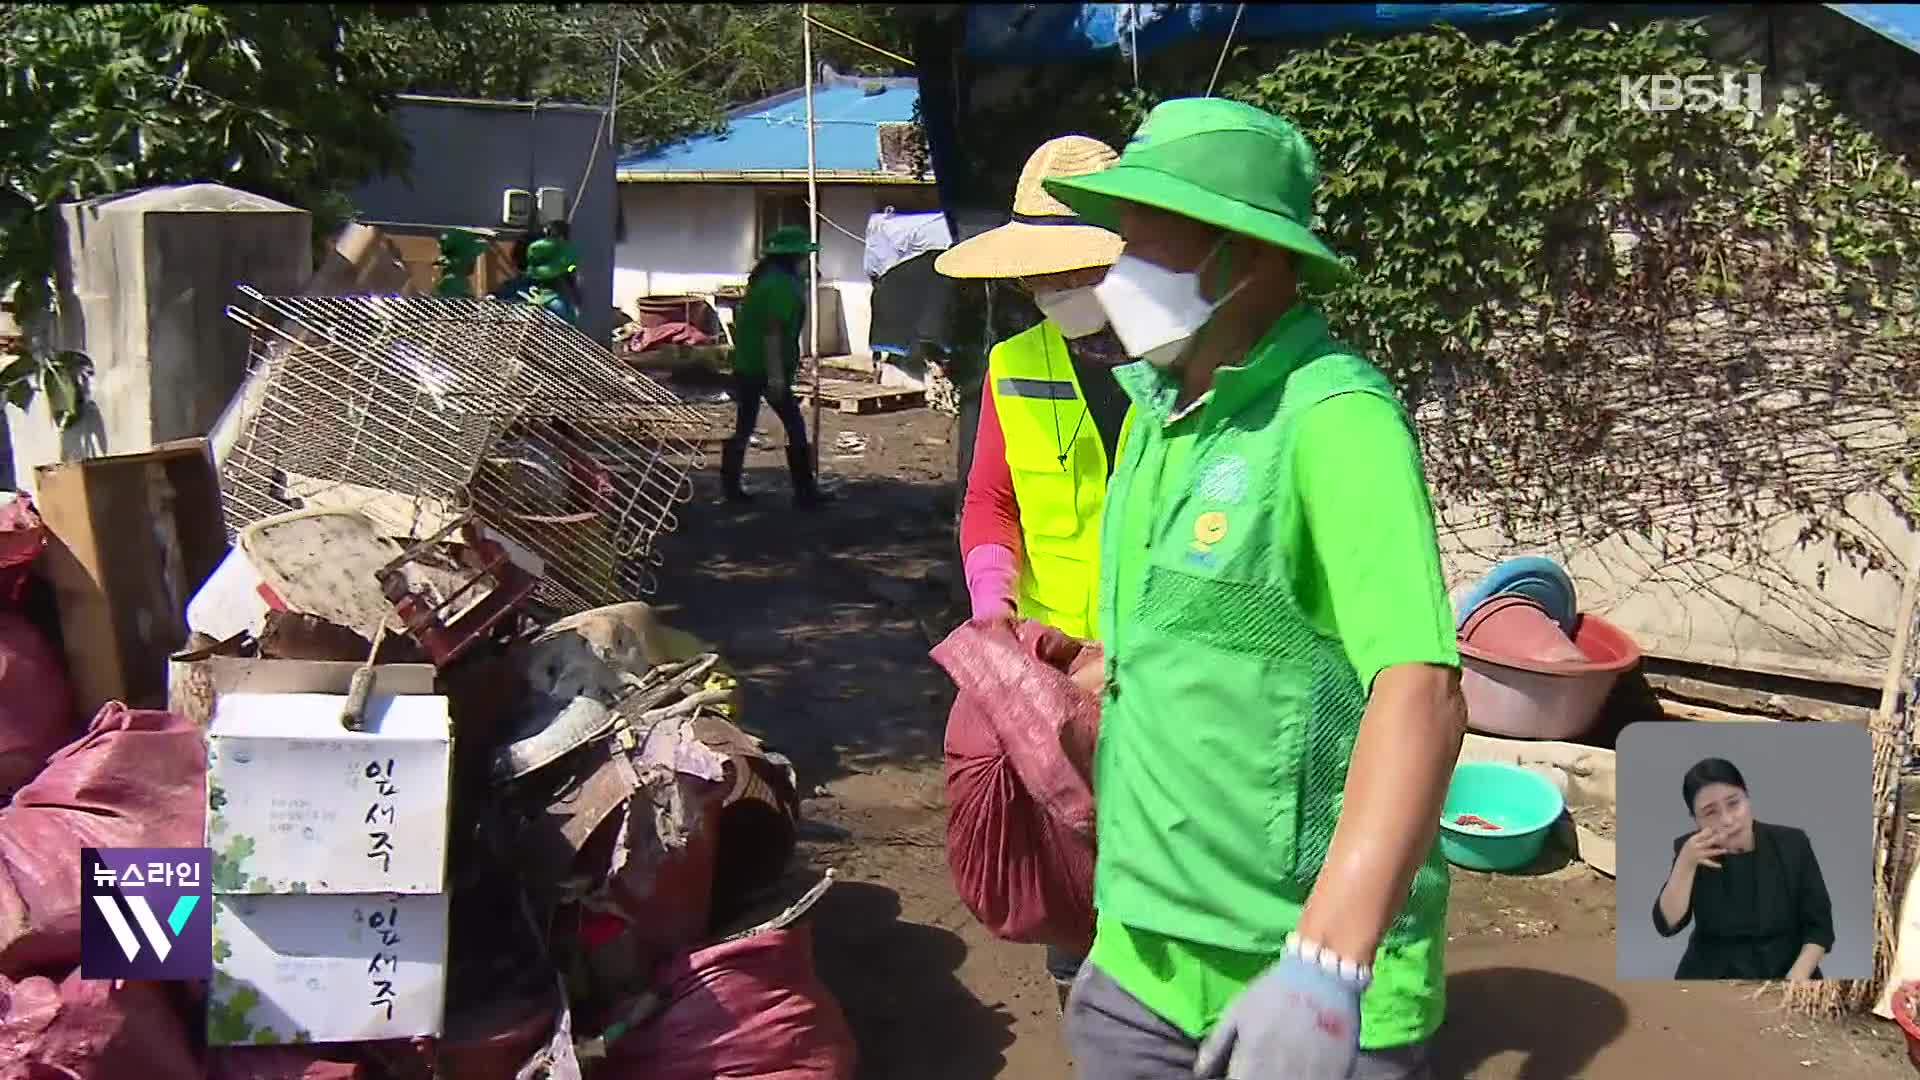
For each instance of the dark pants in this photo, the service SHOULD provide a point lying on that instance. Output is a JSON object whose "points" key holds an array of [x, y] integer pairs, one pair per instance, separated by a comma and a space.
{"points": [[748, 390], [1063, 965], [1114, 1037]]}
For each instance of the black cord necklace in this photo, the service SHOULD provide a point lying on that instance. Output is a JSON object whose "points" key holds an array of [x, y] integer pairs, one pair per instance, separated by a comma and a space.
{"points": [[1067, 446]]}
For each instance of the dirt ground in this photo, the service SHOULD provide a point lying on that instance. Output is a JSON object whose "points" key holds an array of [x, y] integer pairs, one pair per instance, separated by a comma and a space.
{"points": [[829, 616]]}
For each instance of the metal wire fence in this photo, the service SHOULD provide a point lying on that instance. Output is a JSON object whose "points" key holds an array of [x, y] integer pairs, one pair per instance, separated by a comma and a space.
{"points": [[415, 409]]}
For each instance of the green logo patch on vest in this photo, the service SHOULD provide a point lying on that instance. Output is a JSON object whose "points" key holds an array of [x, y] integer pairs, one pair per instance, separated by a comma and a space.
{"points": [[1223, 480]]}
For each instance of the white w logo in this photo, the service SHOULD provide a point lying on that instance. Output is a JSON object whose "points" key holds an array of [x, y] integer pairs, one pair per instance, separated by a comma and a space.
{"points": [[149, 926]]}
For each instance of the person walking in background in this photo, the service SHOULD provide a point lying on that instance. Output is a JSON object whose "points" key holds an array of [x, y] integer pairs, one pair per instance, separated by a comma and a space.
{"points": [[1753, 891], [1282, 710], [766, 359], [1051, 417]]}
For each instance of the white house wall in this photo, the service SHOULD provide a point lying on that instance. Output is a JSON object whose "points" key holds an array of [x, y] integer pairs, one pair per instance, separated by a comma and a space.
{"points": [[693, 238]]}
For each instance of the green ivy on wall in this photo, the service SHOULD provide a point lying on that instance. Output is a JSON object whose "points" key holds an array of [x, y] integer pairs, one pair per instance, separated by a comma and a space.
{"points": [[1608, 320]]}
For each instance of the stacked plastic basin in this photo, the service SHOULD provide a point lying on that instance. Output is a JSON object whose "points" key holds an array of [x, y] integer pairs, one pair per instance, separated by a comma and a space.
{"points": [[1532, 665]]}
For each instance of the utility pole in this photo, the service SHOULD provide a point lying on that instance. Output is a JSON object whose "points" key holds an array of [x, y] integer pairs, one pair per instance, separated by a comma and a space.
{"points": [[813, 233]]}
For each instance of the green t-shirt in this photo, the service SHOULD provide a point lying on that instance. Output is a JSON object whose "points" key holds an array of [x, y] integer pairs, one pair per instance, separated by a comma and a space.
{"points": [[776, 298], [1367, 572]]}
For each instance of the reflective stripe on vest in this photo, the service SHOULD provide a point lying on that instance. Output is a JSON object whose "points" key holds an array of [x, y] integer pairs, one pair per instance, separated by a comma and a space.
{"points": [[1045, 389], [1059, 470]]}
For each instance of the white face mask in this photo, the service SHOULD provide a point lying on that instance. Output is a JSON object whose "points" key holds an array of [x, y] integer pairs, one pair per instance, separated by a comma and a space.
{"points": [[1155, 312], [1077, 312]]}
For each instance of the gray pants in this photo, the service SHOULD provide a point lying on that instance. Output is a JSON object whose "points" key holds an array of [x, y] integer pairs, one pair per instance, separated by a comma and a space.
{"points": [[1114, 1037]]}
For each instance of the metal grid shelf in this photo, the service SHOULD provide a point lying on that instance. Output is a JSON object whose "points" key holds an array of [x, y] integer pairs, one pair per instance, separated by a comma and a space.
{"points": [[415, 409]]}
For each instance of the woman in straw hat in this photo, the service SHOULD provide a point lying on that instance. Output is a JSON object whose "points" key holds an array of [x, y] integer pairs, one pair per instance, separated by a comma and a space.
{"points": [[766, 357], [1051, 417]]}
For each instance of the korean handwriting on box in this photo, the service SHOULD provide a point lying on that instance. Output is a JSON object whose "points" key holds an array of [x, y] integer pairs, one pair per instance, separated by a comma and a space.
{"points": [[381, 814], [138, 875], [385, 926]]}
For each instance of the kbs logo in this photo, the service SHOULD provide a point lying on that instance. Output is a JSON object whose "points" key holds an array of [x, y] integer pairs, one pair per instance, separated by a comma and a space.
{"points": [[145, 913], [1694, 93]]}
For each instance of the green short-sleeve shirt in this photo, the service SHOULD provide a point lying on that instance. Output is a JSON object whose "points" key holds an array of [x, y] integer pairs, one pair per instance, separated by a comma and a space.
{"points": [[1367, 572], [774, 298]]}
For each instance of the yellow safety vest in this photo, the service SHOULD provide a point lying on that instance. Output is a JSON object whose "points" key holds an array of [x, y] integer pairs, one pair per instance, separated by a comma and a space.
{"points": [[1059, 469]]}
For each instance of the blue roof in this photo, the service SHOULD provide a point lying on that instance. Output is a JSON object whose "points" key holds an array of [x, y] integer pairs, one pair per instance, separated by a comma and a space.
{"points": [[1898, 22], [771, 135]]}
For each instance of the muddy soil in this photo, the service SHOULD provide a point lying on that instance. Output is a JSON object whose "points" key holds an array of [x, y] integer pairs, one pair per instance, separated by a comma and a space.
{"points": [[829, 616]]}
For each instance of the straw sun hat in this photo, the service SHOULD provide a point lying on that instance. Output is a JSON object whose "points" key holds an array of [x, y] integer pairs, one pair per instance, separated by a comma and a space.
{"points": [[1045, 236]]}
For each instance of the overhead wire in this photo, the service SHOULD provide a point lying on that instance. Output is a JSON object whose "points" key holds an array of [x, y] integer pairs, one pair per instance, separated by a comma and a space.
{"points": [[1225, 47], [868, 45]]}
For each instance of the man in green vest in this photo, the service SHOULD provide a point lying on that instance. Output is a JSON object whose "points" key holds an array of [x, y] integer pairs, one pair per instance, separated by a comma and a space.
{"points": [[1051, 419], [1282, 710], [766, 360]]}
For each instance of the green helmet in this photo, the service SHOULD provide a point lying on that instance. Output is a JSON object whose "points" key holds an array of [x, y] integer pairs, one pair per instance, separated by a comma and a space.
{"points": [[790, 240], [459, 246], [549, 259]]}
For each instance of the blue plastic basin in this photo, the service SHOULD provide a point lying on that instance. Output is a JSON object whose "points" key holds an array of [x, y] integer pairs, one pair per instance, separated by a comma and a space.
{"points": [[1522, 802]]}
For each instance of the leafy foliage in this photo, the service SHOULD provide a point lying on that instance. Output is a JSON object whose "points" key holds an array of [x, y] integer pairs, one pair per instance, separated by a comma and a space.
{"points": [[280, 100], [1678, 325], [292, 101], [682, 65]]}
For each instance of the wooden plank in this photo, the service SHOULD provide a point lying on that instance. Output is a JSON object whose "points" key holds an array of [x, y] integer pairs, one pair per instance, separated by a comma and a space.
{"points": [[1746, 699], [131, 539], [1681, 710], [864, 398]]}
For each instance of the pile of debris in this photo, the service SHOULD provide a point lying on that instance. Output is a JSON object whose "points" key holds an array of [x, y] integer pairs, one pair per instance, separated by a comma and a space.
{"points": [[471, 808]]}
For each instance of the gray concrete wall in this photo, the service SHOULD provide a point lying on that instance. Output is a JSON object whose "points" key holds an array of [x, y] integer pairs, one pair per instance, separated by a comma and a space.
{"points": [[465, 153], [145, 279]]}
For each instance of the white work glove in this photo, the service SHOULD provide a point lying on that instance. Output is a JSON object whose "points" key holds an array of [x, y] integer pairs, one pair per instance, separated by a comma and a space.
{"points": [[1297, 1021]]}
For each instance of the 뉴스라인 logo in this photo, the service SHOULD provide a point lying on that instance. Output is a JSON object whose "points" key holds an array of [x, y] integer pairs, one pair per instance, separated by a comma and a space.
{"points": [[146, 913]]}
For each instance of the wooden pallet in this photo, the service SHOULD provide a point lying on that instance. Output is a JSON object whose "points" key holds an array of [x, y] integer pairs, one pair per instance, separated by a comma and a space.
{"points": [[861, 399]]}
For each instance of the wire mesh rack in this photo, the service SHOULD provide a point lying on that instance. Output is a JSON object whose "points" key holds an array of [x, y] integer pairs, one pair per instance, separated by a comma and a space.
{"points": [[418, 409]]}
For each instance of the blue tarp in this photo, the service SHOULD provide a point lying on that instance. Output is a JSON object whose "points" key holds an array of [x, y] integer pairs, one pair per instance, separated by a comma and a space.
{"points": [[1896, 22], [772, 134], [1040, 33]]}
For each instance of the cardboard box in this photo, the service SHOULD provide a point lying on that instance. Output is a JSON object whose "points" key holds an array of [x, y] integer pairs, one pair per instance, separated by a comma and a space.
{"points": [[326, 968], [132, 538], [296, 803], [197, 678]]}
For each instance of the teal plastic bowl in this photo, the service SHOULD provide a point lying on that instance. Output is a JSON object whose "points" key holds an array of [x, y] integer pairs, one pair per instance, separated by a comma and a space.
{"points": [[1522, 802]]}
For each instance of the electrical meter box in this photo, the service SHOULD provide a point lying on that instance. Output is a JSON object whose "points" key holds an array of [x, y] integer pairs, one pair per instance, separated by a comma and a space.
{"points": [[516, 206]]}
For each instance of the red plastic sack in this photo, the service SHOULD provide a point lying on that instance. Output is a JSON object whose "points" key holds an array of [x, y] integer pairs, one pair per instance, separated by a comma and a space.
{"points": [[89, 1029], [277, 1063], [751, 1007], [22, 536], [1019, 750], [135, 779], [36, 703]]}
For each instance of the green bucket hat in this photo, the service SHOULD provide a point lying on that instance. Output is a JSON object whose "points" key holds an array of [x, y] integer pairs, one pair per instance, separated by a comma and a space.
{"points": [[1217, 161], [549, 259], [459, 246], [790, 240]]}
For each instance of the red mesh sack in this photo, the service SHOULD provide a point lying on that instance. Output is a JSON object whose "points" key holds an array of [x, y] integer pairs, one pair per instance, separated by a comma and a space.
{"points": [[135, 779], [22, 536], [278, 1063], [92, 1029], [36, 703], [751, 1007], [1019, 752]]}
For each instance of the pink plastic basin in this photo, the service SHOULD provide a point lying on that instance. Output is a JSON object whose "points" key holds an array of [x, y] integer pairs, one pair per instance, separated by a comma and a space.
{"points": [[1537, 699], [1511, 625]]}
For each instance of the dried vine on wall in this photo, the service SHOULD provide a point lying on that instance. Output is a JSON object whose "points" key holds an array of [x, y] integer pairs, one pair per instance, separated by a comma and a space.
{"points": [[1682, 325]]}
